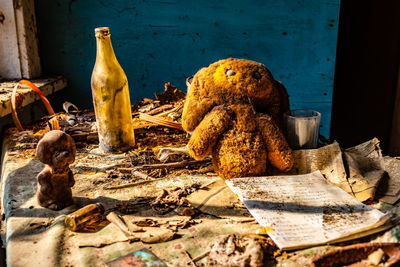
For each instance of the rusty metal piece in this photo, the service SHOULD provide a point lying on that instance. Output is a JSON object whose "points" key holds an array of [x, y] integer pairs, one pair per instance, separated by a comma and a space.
{"points": [[67, 105], [355, 253]]}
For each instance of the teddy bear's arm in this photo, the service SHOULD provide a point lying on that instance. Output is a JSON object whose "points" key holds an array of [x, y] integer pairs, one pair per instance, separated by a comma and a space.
{"points": [[207, 133], [71, 180], [194, 111], [44, 181], [198, 102], [279, 152]]}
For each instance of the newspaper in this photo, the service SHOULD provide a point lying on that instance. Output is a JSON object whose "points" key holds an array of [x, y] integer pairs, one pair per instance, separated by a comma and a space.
{"points": [[365, 168], [327, 159], [306, 210], [390, 189]]}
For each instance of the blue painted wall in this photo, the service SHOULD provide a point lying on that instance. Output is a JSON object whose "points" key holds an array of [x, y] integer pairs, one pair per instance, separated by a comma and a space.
{"points": [[169, 40]]}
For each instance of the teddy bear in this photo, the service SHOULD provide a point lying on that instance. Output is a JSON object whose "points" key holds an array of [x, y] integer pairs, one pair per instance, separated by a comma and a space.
{"points": [[234, 109], [57, 150]]}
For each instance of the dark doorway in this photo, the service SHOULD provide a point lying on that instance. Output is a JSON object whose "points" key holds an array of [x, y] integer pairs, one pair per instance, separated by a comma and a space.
{"points": [[367, 71]]}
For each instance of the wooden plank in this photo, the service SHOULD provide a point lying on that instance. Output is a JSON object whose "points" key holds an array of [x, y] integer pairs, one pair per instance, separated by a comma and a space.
{"points": [[48, 86]]}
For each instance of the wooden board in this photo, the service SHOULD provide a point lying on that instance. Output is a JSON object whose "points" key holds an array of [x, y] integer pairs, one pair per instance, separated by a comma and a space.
{"points": [[48, 86]]}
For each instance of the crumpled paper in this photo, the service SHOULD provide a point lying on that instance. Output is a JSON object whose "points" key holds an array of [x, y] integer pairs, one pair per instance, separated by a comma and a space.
{"points": [[361, 170]]}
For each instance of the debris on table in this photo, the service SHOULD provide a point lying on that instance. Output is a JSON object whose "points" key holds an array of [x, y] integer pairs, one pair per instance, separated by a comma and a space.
{"points": [[171, 94], [155, 144], [218, 200], [171, 199], [148, 230], [119, 222], [235, 250], [168, 216], [174, 223], [171, 154], [361, 255], [166, 110]]}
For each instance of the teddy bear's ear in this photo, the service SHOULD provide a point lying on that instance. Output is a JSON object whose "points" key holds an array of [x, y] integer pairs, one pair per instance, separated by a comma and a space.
{"points": [[284, 96], [196, 104], [189, 81]]}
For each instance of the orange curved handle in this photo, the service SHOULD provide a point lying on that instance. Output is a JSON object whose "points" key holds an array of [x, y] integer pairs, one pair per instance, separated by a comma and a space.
{"points": [[40, 94]]}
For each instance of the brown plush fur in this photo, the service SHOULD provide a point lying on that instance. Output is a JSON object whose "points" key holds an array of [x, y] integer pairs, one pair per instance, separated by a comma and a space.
{"points": [[57, 150], [234, 107]]}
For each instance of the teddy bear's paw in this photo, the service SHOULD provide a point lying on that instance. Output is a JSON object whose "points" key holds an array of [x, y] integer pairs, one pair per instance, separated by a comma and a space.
{"points": [[282, 160]]}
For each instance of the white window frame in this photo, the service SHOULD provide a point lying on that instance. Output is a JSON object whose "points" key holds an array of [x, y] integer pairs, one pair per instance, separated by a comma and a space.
{"points": [[19, 53]]}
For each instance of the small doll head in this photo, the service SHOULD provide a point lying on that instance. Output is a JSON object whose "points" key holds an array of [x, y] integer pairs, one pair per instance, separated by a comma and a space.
{"points": [[56, 149]]}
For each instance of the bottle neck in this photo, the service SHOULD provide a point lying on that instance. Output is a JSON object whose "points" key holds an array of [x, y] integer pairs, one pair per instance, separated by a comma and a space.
{"points": [[105, 51]]}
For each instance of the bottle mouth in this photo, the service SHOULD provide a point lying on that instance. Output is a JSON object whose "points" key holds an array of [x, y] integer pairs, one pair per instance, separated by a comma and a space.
{"points": [[102, 31]]}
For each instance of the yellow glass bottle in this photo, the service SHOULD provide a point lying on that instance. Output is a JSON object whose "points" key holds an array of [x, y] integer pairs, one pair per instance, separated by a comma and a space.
{"points": [[111, 100], [86, 218]]}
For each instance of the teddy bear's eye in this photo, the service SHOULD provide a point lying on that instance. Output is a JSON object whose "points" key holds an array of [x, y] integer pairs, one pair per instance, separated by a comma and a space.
{"points": [[256, 75], [230, 72]]}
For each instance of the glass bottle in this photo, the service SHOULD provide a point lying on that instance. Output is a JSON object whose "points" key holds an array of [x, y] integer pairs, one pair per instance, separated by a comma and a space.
{"points": [[111, 100], [86, 218]]}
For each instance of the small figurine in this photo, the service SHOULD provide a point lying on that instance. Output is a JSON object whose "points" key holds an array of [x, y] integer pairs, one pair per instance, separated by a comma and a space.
{"points": [[57, 150], [234, 111]]}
